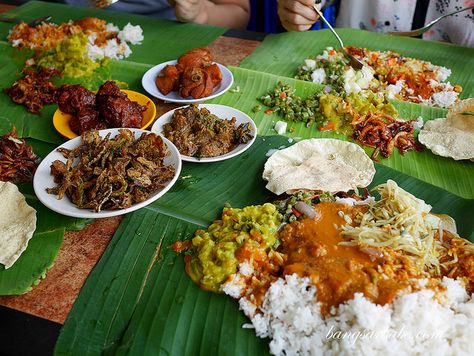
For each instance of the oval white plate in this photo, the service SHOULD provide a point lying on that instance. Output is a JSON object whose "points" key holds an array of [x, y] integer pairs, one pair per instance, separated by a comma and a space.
{"points": [[43, 179], [221, 111], [148, 83]]}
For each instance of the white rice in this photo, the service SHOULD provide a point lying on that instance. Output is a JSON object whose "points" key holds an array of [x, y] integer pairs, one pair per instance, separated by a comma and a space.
{"points": [[318, 76], [414, 324], [113, 48], [132, 34]]}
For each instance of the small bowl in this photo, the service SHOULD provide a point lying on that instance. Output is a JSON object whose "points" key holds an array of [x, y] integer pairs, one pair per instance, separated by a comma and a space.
{"points": [[61, 119]]}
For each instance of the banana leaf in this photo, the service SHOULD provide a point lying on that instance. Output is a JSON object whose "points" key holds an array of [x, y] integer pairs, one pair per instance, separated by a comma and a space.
{"points": [[282, 54], [43, 248], [451, 175], [164, 40], [138, 299]]}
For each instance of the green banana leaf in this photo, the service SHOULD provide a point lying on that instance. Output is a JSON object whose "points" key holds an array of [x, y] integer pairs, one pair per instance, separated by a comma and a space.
{"points": [[164, 40], [451, 175], [42, 249], [138, 299], [282, 54]]}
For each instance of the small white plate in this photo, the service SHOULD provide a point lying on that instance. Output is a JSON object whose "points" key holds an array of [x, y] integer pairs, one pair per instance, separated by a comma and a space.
{"points": [[43, 179], [222, 112], [148, 83]]}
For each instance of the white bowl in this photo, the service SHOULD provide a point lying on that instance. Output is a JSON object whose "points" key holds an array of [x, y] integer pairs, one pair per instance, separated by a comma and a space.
{"points": [[148, 83], [222, 112], [43, 179]]}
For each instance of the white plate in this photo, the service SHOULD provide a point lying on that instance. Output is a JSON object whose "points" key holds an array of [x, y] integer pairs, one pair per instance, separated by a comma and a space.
{"points": [[43, 179], [221, 111], [148, 83]]}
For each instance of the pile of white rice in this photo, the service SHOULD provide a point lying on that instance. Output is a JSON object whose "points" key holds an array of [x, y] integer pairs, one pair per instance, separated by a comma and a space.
{"points": [[115, 48], [415, 323]]}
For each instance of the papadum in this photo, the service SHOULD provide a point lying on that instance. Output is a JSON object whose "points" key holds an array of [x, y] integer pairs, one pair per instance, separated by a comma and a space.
{"points": [[323, 164], [17, 223], [454, 136]]}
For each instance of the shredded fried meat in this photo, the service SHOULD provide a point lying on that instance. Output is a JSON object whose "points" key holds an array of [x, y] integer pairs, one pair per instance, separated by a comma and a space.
{"points": [[198, 133], [34, 90], [111, 173], [385, 133], [17, 160]]}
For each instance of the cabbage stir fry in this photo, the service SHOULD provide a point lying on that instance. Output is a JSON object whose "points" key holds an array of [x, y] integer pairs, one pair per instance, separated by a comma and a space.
{"points": [[111, 173]]}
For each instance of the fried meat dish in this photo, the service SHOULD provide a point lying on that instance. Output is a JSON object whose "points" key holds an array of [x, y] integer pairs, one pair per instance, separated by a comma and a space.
{"points": [[111, 173], [194, 75], [34, 90], [109, 108], [18, 162], [198, 133]]}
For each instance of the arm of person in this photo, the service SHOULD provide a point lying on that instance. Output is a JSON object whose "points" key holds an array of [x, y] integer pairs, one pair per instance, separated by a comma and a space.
{"points": [[225, 13], [297, 15]]}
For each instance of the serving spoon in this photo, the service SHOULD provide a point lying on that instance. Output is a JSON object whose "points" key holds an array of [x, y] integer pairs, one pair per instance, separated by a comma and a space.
{"points": [[102, 4], [353, 61], [423, 29]]}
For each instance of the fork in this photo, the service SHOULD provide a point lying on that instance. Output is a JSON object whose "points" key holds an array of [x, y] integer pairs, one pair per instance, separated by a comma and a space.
{"points": [[32, 23], [422, 30], [102, 4], [353, 61]]}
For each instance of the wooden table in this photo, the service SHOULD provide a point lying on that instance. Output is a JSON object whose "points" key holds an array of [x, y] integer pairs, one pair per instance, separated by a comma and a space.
{"points": [[53, 298]]}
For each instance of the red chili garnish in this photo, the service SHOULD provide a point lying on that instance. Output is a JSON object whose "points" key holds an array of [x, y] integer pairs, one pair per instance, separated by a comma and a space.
{"points": [[269, 111], [17, 160], [328, 127], [282, 95]]}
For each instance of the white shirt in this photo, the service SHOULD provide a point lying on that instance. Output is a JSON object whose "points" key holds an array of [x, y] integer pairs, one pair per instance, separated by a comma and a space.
{"points": [[397, 15]]}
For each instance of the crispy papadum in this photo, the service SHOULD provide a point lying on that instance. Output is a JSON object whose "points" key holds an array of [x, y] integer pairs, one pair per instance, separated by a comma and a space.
{"points": [[17, 223], [323, 164]]}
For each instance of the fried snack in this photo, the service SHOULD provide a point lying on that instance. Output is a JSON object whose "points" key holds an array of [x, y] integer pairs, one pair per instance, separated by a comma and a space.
{"points": [[199, 133], [17, 161], [111, 173], [34, 90], [385, 133], [109, 108], [194, 75]]}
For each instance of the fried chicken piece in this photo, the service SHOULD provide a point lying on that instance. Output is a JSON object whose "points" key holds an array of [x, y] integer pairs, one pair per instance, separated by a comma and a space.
{"points": [[86, 119], [196, 83], [168, 79], [215, 73], [197, 57], [74, 98], [121, 112]]}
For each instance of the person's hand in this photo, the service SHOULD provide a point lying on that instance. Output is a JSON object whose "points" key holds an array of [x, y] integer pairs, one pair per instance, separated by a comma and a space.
{"points": [[189, 10], [297, 15]]}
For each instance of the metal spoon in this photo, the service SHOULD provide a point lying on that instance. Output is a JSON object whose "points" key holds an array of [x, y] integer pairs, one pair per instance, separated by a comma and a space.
{"points": [[102, 4], [422, 30], [353, 61]]}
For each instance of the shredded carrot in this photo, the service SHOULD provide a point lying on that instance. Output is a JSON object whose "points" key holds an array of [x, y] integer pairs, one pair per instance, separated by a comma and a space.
{"points": [[332, 52], [392, 61], [283, 95], [328, 127], [296, 212], [374, 56]]}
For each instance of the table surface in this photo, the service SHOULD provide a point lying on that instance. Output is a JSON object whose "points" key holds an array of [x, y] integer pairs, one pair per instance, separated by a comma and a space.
{"points": [[54, 297]]}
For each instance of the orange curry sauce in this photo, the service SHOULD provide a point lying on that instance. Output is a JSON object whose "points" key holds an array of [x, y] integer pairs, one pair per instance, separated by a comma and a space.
{"points": [[312, 250]]}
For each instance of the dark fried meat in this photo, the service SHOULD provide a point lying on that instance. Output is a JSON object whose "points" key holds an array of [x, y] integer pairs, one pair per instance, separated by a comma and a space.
{"points": [[74, 98], [34, 90], [17, 161], [109, 108], [112, 173], [198, 133], [121, 112]]}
